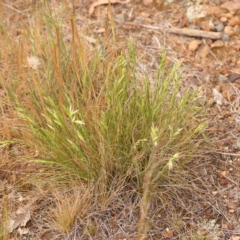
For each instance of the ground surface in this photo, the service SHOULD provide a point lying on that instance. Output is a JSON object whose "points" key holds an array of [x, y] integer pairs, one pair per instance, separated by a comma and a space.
{"points": [[210, 198]]}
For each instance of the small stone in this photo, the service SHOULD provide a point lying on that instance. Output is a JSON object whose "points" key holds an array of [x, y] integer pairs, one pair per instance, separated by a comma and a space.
{"points": [[234, 21], [220, 234], [233, 77], [217, 44], [236, 29], [236, 47], [194, 12], [208, 41], [219, 27], [139, 20], [194, 45], [227, 15], [211, 24], [225, 38], [145, 14], [224, 226], [204, 51], [224, 182], [205, 26], [229, 31], [223, 19], [149, 20], [231, 227], [121, 17], [222, 78]]}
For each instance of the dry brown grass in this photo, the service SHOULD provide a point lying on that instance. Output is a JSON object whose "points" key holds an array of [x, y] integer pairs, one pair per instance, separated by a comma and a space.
{"points": [[76, 203]]}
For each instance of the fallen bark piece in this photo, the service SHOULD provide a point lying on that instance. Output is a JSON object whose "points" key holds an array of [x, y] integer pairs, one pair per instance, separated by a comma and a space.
{"points": [[195, 33]]}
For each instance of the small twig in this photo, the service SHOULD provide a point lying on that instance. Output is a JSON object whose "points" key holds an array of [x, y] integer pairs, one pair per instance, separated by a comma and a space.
{"points": [[225, 189], [230, 154], [12, 8], [195, 33], [185, 31]]}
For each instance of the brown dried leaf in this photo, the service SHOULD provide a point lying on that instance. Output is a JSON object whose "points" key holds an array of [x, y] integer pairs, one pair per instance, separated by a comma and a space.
{"points": [[22, 217], [208, 212], [205, 26], [218, 97], [217, 44], [224, 182], [183, 22], [194, 45], [103, 2], [233, 77], [231, 227], [168, 233], [224, 70], [204, 51]]}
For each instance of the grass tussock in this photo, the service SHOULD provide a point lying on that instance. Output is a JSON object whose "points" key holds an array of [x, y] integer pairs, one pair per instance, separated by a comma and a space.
{"points": [[94, 121], [73, 205]]}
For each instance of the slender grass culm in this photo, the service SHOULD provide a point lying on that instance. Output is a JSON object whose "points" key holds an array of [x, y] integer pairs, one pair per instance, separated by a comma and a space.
{"points": [[94, 120]]}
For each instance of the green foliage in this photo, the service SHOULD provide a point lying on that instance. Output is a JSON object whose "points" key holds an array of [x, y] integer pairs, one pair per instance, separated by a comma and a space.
{"points": [[92, 117]]}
